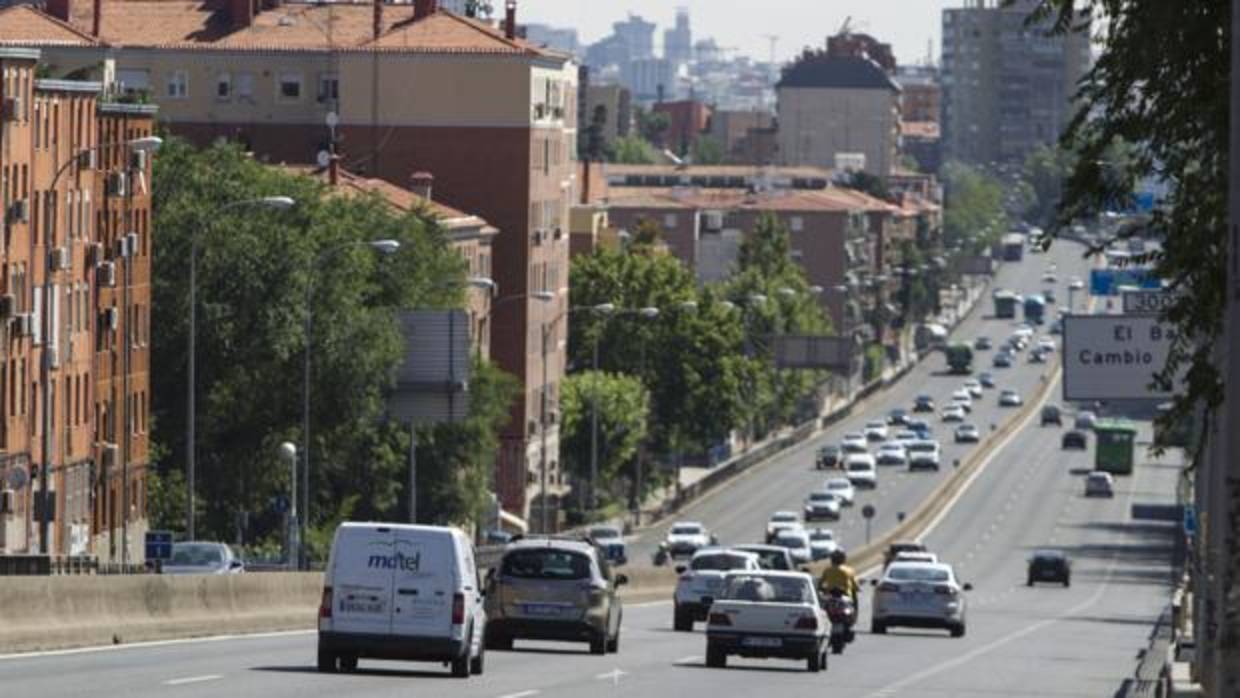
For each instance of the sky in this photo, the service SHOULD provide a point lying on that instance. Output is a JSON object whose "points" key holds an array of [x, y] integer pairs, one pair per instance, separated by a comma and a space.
{"points": [[907, 24]]}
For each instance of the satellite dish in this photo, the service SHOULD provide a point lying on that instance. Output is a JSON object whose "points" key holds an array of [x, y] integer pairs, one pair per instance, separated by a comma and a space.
{"points": [[324, 158], [333, 119]]}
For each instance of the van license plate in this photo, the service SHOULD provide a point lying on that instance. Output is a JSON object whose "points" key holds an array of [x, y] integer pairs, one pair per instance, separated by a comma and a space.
{"points": [[542, 609], [762, 642], [361, 607]]}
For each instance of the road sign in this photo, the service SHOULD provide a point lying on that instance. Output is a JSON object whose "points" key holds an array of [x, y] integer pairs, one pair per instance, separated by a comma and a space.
{"points": [[1115, 357], [1107, 282], [806, 351], [1146, 302], [868, 511], [159, 545], [1190, 520]]}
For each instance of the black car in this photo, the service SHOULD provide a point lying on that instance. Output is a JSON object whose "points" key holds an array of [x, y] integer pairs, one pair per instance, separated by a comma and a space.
{"points": [[1051, 415], [982, 344], [1075, 439], [1002, 360], [986, 379], [897, 417], [1049, 566], [923, 403], [828, 457], [1037, 356]]}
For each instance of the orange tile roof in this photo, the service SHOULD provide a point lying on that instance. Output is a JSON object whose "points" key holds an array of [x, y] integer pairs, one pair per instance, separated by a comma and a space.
{"points": [[920, 129], [26, 26], [295, 26], [398, 197]]}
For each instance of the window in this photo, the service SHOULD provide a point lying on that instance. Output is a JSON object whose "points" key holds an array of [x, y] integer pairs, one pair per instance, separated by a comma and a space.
{"points": [[796, 224], [243, 86], [133, 81], [288, 87], [178, 84], [329, 87], [670, 221], [223, 87]]}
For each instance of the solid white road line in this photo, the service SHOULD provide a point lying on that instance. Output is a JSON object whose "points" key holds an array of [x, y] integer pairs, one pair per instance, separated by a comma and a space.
{"points": [[687, 660], [522, 694], [649, 604], [153, 643], [193, 679], [612, 676]]}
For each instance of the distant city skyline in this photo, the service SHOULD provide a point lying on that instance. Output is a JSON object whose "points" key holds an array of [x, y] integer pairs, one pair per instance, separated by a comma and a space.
{"points": [[909, 25]]}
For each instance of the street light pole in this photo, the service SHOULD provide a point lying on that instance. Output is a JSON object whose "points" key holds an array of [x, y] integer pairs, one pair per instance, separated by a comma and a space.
{"points": [[382, 246], [274, 202]]}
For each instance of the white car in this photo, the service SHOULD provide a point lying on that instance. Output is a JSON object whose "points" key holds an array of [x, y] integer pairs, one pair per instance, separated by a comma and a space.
{"points": [[919, 595], [821, 505], [1047, 345], [916, 556], [963, 398], [905, 436], [768, 615], [974, 388], [701, 580], [196, 557], [779, 521], [953, 413], [892, 454], [822, 543], [686, 538], [1010, 398], [968, 434], [876, 431], [842, 488], [854, 442], [1099, 484], [924, 454], [796, 540], [860, 470]]}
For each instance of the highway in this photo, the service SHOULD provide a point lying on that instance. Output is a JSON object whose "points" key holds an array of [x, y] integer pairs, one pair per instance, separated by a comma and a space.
{"points": [[738, 512]]}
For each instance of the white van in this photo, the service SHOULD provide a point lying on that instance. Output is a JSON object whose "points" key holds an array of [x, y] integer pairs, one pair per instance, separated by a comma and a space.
{"points": [[398, 591]]}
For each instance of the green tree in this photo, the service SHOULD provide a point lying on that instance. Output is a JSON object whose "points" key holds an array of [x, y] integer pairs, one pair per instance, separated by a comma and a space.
{"points": [[1177, 58], [652, 125], [632, 150], [870, 184], [707, 151], [1045, 169], [623, 405], [254, 267], [973, 213]]}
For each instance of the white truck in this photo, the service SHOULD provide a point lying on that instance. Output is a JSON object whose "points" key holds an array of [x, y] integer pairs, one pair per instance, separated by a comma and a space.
{"points": [[765, 615]]}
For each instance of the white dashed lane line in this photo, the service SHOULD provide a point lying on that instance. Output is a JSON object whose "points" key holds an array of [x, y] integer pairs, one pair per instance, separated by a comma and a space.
{"points": [[193, 679]]}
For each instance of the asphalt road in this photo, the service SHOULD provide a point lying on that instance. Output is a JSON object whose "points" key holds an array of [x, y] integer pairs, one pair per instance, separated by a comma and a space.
{"points": [[1041, 641], [738, 512]]}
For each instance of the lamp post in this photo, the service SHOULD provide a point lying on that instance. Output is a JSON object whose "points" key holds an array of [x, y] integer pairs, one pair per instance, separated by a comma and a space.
{"points": [[648, 313], [269, 202], [288, 451], [145, 144], [750, 301], [604, 310], [385, 247]]}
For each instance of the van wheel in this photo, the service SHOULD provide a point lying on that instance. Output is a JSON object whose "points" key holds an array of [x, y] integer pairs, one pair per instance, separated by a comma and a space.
{"points": [[326, 662], [598, 644], [613, 645], [477, 664], [878, 628], [348, 663], [460, 666], [682, 621], [958, 630], [716, 658], [495, 640]]}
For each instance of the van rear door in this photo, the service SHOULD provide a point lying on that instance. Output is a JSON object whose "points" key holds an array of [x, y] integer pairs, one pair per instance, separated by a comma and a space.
{"points": [[425, 583], [362, 576]]}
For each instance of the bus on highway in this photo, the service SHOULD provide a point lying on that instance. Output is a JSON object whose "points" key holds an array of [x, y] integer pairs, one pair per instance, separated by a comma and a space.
{"points": [[960, 358], [1035, 309], [1115, 441], [1005, 304], [1013, 245]]}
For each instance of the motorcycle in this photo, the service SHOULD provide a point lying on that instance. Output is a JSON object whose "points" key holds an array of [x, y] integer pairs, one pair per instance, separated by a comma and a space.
{"points": [[662, 555], [843, 615]]}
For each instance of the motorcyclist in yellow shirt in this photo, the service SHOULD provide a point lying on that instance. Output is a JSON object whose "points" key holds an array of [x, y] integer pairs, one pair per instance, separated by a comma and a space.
{"points": [[840, 576]]}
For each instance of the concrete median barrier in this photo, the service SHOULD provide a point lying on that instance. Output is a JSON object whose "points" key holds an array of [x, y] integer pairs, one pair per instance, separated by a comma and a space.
{"points": [[43, 613]]}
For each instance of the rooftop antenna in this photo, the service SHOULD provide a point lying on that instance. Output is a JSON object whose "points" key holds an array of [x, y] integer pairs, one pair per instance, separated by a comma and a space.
{"points": [[774, 39]]}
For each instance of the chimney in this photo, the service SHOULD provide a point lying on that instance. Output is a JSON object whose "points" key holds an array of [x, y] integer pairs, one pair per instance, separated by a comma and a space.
{"points": [[241, 13], [510, 19], [422, 184], [378, 28], [424, 8], [333, 170], [97, 19], [58, 9], [585, 181]]}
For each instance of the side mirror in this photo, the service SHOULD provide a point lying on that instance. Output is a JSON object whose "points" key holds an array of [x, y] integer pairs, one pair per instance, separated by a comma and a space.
{"points": [[873, 582], [680, 569], [236, 565], [622, 579], [967, 586]]}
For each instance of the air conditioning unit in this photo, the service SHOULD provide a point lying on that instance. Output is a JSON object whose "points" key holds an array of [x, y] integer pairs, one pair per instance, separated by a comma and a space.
{"points": [[109, 455], [105, 274], [540, 111], [8, 306], [137, 160], [53, 356], [538, 237], [23, 325], [533, 427], [712, 221], [118, 184], [13, 109], [8, 501], [111, 318], [131, 240], [559, 233], [60, 259], [88, 159], [19, 211]]}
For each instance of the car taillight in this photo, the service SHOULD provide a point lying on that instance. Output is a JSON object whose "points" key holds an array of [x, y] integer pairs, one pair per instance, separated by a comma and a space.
{"points": [[325, 605], [807, 623], [889, 586], [719, 619], [458, 609], [946, 591]]}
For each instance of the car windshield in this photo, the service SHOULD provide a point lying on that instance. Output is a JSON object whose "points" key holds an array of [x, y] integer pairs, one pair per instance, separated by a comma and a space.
{"points": [[858, 465], [839, 485], [771, 559], [875, 425], [769, 589], [922, 447], [853, 436], [719, 562], [604, 532], [783, 517], [196, 555], [821, 535], [686, 530], [822, 497], [918, 574], [546, 563], [791, 542]]}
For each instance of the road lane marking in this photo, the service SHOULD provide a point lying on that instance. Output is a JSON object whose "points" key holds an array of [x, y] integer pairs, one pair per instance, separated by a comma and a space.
{"points": [[649, 604], [154, 643], [193, 679], [688, 660], [613, 676], [522, 694]]}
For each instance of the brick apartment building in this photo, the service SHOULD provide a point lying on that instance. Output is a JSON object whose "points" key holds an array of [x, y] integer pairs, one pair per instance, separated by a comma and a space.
{"points": [[410, 88], [74, 310]]}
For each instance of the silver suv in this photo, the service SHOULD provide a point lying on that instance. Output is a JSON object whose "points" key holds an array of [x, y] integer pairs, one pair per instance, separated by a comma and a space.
{"points": [[554, 589]]}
